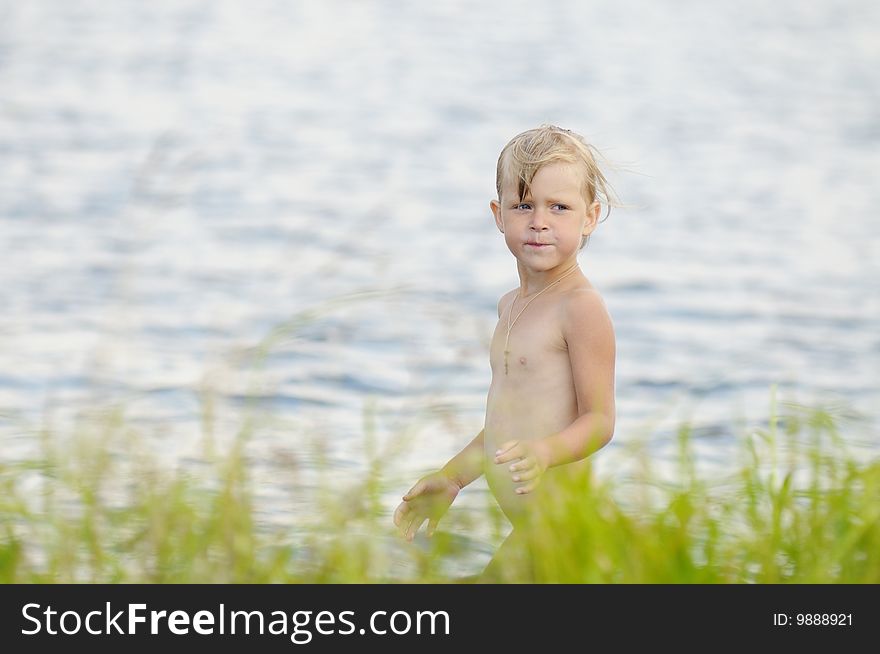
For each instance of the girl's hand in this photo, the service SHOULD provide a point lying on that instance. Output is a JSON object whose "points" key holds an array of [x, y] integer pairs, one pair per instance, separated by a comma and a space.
{"points": [[530, 462], [427, 500]]}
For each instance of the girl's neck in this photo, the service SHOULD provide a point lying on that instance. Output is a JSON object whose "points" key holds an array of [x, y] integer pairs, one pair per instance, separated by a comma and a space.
{"points": [[533, 282]]}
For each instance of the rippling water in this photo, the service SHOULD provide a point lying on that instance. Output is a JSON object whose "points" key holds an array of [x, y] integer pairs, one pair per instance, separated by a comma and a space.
{"points": [[289, 202]]}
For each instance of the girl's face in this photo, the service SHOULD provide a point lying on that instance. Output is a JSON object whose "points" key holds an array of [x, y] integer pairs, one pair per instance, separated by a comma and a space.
{"points": [[544, 229]]}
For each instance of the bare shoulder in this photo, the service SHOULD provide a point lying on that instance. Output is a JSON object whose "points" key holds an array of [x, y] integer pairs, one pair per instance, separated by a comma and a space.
{"points": [[584, 313], [506, 299]]}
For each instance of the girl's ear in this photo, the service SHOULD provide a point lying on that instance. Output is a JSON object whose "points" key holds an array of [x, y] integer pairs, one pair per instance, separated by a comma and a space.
{"points": [[593, 212], [495, 206]]}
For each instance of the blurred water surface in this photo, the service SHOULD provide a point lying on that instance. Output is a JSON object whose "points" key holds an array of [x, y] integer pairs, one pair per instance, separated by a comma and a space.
{"points": [[280, 209]]}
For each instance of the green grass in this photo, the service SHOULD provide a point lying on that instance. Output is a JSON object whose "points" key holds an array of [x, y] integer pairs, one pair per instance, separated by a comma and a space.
{"points": [[96, 506]]}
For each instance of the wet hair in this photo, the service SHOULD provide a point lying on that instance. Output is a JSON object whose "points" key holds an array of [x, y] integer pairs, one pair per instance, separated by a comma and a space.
{"points": [[528, 152]]}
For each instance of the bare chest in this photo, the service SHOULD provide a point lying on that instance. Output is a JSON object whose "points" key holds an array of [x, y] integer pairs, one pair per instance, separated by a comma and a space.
{"points": [[530, 349]]}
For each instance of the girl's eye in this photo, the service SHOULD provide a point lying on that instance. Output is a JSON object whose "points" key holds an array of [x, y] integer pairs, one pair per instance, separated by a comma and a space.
{"points": [[561, 207], [523, 206]]}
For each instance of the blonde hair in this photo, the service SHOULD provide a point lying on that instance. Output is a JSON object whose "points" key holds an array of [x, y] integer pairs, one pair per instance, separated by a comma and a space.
{"points": [[527, 152]]}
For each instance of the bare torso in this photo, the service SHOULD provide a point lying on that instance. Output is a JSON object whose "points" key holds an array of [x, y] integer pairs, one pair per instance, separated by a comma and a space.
{"points": [[536, 397]]}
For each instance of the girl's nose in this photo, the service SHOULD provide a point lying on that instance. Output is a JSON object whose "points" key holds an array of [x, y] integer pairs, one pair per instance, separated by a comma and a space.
{"points": [[539, 220]]}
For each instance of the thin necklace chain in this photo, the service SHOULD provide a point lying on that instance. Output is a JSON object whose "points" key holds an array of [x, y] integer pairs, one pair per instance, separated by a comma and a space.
{"points": [[510, 313]]}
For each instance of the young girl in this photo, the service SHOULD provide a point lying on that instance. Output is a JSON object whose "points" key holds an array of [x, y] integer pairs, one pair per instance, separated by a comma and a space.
{"points": [[551, 400]]}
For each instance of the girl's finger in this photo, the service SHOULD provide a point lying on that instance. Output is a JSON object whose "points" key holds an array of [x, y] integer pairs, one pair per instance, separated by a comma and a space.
{"points": [[525, 475], [414, 528], [414, 492], [400, 513], [512, 454], [404, 525], [506, 451], [506, 446], [528, 488]]}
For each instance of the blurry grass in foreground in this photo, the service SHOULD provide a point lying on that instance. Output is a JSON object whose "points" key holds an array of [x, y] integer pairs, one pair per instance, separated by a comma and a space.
{"points": [[795, 508]]}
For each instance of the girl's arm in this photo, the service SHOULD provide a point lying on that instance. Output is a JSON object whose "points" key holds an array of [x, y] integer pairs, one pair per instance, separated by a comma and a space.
{"points": [[467, 465]]}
